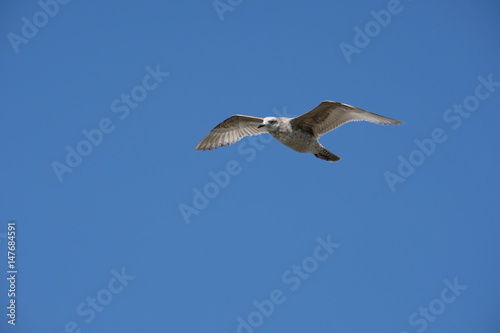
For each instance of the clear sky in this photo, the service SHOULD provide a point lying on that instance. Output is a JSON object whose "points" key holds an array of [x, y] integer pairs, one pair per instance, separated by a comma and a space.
{"points": [[121, 226]]}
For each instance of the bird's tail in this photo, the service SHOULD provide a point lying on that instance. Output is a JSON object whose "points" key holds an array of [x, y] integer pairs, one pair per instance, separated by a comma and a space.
{"points": [[326, 155]]}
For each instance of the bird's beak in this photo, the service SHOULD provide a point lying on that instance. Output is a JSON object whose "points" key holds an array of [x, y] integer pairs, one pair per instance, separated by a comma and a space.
{"points": [[260, 126]]}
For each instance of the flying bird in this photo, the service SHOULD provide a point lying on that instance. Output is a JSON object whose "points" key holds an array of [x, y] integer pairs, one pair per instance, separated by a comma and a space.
{"points": [[300, 133]]}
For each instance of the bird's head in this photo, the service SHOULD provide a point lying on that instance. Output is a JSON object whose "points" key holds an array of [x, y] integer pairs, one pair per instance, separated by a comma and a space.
{"points": [[269, 123]]}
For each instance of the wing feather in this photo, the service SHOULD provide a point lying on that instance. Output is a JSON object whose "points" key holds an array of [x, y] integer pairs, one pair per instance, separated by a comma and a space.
{"points": [[230, 131], [330, 115]]}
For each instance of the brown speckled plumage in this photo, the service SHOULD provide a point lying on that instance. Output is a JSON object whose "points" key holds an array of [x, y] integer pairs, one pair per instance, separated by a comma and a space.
{"points": [[300, 133]]}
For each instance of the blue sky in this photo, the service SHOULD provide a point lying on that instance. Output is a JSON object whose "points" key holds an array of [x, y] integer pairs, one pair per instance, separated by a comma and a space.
{"points": [[123, 227]]}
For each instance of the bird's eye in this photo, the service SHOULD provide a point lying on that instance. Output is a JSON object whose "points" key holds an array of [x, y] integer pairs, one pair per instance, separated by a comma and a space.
{"points": [[272, 121]]}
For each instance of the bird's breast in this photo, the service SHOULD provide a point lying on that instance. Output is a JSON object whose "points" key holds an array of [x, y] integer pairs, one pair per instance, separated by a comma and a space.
{"points": [[299, 141]]}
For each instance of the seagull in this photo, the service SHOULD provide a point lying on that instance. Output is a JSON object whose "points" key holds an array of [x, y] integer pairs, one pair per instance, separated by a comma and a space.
{"points": [[300, 133]]}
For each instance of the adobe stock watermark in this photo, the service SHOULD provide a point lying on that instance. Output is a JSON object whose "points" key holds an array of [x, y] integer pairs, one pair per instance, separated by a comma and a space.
{"points": [[31, 26], [88, 310], [453, 117], [420, 319], [223, 6], [373, 28], [121, 107], [292, 279], [218, 180]]}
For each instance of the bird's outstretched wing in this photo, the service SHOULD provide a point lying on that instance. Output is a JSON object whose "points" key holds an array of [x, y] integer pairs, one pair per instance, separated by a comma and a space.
{"points": [[330, 115], [230, 131]]}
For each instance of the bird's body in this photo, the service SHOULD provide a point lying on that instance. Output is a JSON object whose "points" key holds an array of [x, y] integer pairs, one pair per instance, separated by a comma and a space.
{"points": [[300, 133], [293, 137]]}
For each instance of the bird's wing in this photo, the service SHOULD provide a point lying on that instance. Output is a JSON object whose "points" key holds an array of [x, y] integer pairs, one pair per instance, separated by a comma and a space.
{"points": [[330, 115], [230, 131]]}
